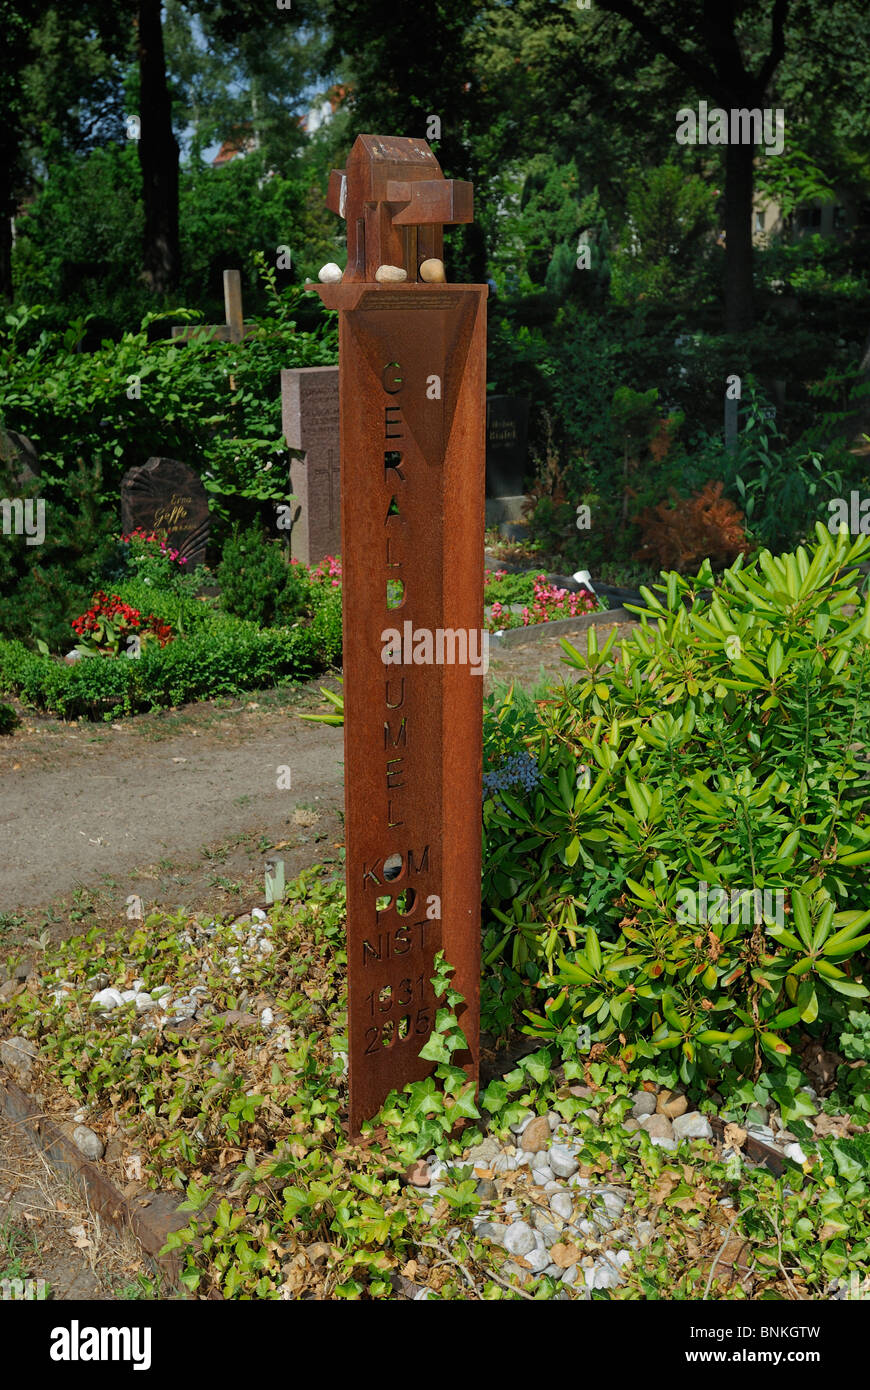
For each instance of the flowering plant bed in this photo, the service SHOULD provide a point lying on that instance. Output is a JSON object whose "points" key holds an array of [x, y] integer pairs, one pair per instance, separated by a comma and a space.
{"points": [[547, 602]]}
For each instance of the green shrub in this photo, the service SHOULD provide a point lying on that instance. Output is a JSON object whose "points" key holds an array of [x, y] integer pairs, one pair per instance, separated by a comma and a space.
{"points": [[719, 755], [326, 622], [8, 719], [226, 657], [185, 612], [43, 587], [256, 581]]}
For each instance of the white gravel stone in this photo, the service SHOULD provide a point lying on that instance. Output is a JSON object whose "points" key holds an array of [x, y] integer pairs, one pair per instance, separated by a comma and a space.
{"points": [[494, 1231], [562, 1161], [553, 1120], [537, 1260], [108, 999], [128, 996], [613, 1203], [267, 1018], [562, 1205], [692, 1125], [519, 1239], [144, 1002], [644, 1103], [259, 915], [504, 1163], [795, 1153], [90, 1143], [602, 1276], [569, 1275], [542, 1177], [330, 274], [522, 1125], [546, 1228]]}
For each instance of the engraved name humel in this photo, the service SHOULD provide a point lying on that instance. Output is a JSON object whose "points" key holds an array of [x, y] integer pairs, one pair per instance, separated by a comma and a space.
{"points": [[400, 915]]}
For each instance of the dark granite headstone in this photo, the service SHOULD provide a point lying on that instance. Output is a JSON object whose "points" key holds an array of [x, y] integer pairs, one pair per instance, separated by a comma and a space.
{"points": [[309, 398], [167, 497], [507, 429]]}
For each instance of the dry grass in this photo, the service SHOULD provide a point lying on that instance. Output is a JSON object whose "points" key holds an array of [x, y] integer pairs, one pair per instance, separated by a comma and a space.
{"points": [[49, 1231]]}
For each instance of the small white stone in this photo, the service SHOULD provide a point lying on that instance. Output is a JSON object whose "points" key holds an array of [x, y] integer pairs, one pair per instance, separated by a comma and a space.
{"points": [[90, 1143], [613, 1203], [259, 915], [144, 1002], [561, 1204], [537, 1260], [330, 274], [519, 1239], [267, 1018], [390, 274], [692, 1125], [128, 995], [602, 1276], [562, 1161], [795, 1153], [108, 999], [266, 948]]}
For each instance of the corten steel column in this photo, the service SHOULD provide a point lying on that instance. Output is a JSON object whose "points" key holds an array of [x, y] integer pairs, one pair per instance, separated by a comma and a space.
{"points": [[412, 373]]}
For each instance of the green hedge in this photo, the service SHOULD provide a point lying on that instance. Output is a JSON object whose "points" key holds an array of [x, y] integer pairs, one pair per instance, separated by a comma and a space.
{"points": [[226, 657]]}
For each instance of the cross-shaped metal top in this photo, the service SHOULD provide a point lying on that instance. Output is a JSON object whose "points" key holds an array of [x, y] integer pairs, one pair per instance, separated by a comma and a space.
{"points": [[396, 202]]}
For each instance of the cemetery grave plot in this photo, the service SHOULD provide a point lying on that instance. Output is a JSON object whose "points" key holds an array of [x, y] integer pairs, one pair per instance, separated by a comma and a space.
{"points": [[209, 1056]]}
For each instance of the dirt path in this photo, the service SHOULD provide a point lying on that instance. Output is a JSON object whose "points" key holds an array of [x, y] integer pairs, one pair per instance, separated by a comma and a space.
{"points": [[130, 807], [182, 807]]}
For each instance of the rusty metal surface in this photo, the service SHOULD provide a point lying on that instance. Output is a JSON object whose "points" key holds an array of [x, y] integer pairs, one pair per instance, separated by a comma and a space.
{"points": [[412, 482], [396, 202]]}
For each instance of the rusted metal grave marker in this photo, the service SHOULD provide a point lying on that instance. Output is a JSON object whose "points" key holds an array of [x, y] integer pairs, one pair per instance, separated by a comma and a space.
{"points": [[412, 417]]}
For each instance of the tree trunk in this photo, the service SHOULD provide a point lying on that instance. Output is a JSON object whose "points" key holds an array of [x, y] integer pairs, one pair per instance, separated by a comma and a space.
{"points": [[158, 156], [739, 178], [7, 207]]}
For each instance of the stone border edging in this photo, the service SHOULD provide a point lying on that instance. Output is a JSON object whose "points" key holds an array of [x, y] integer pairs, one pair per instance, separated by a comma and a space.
{"points": [[150, 1224], [515, 636]]}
